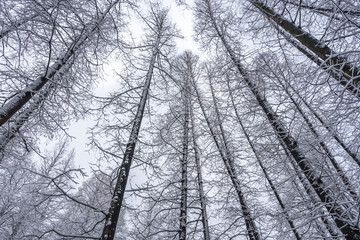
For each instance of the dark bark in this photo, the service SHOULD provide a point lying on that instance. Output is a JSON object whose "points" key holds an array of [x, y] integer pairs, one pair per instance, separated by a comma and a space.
{"points": [[228, 162], [184, 160], [272, 185], [21, 98], [124, 170], [350, 77]]}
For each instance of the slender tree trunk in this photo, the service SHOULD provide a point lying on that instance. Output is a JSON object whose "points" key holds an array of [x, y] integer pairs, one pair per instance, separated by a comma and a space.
{"points": [[22, 97], [204, 217], [347, 227], [21, 119], [225, 156], [330, 58], [331, 131], [272, 185], [323, 145], [324, 216], [184, 161], [116, 202]]}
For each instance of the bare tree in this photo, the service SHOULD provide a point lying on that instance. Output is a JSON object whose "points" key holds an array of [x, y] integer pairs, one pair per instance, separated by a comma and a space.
{"points": [[216, 27], [31, 197], [220, 140], [263, 168], [162, 33], [15, 102], [349, 74]]}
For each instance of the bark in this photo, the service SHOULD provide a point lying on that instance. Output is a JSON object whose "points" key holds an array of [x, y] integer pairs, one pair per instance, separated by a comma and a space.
{"points": [[347, 227], [330, 130], [184, 161], [323, 145], [124, 170], [202, 197], [350, 77], [264, 170], [22, 97], [19, 121], [228, 162]]}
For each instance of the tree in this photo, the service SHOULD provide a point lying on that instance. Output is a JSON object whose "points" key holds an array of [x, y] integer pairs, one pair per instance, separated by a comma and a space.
{"points": [[263, 168], [67, 34], [348, 74], [206, 14], [163, 33], [222, 145], [30, 191]]}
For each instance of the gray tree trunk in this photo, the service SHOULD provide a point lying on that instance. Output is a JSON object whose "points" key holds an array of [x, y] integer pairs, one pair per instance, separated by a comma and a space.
{"points": [[184, 159]]}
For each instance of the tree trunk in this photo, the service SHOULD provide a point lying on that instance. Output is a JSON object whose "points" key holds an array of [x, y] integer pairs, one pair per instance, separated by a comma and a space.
{"points": [[184, 160], [331, 59], [116, 202], [272, 185], [21, 98], [204, 217], [228, 161]]}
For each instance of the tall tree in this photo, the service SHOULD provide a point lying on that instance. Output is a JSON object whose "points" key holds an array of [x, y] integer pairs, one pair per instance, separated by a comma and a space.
{"points": [[349, 74], [211, 24], [262, 166], [221, 142], [184, 67], [71, 48], [185, 92], [161, 33]]}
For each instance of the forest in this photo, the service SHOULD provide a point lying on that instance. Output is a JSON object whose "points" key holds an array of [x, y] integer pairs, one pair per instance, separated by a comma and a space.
{"points": [[180, 119]]}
